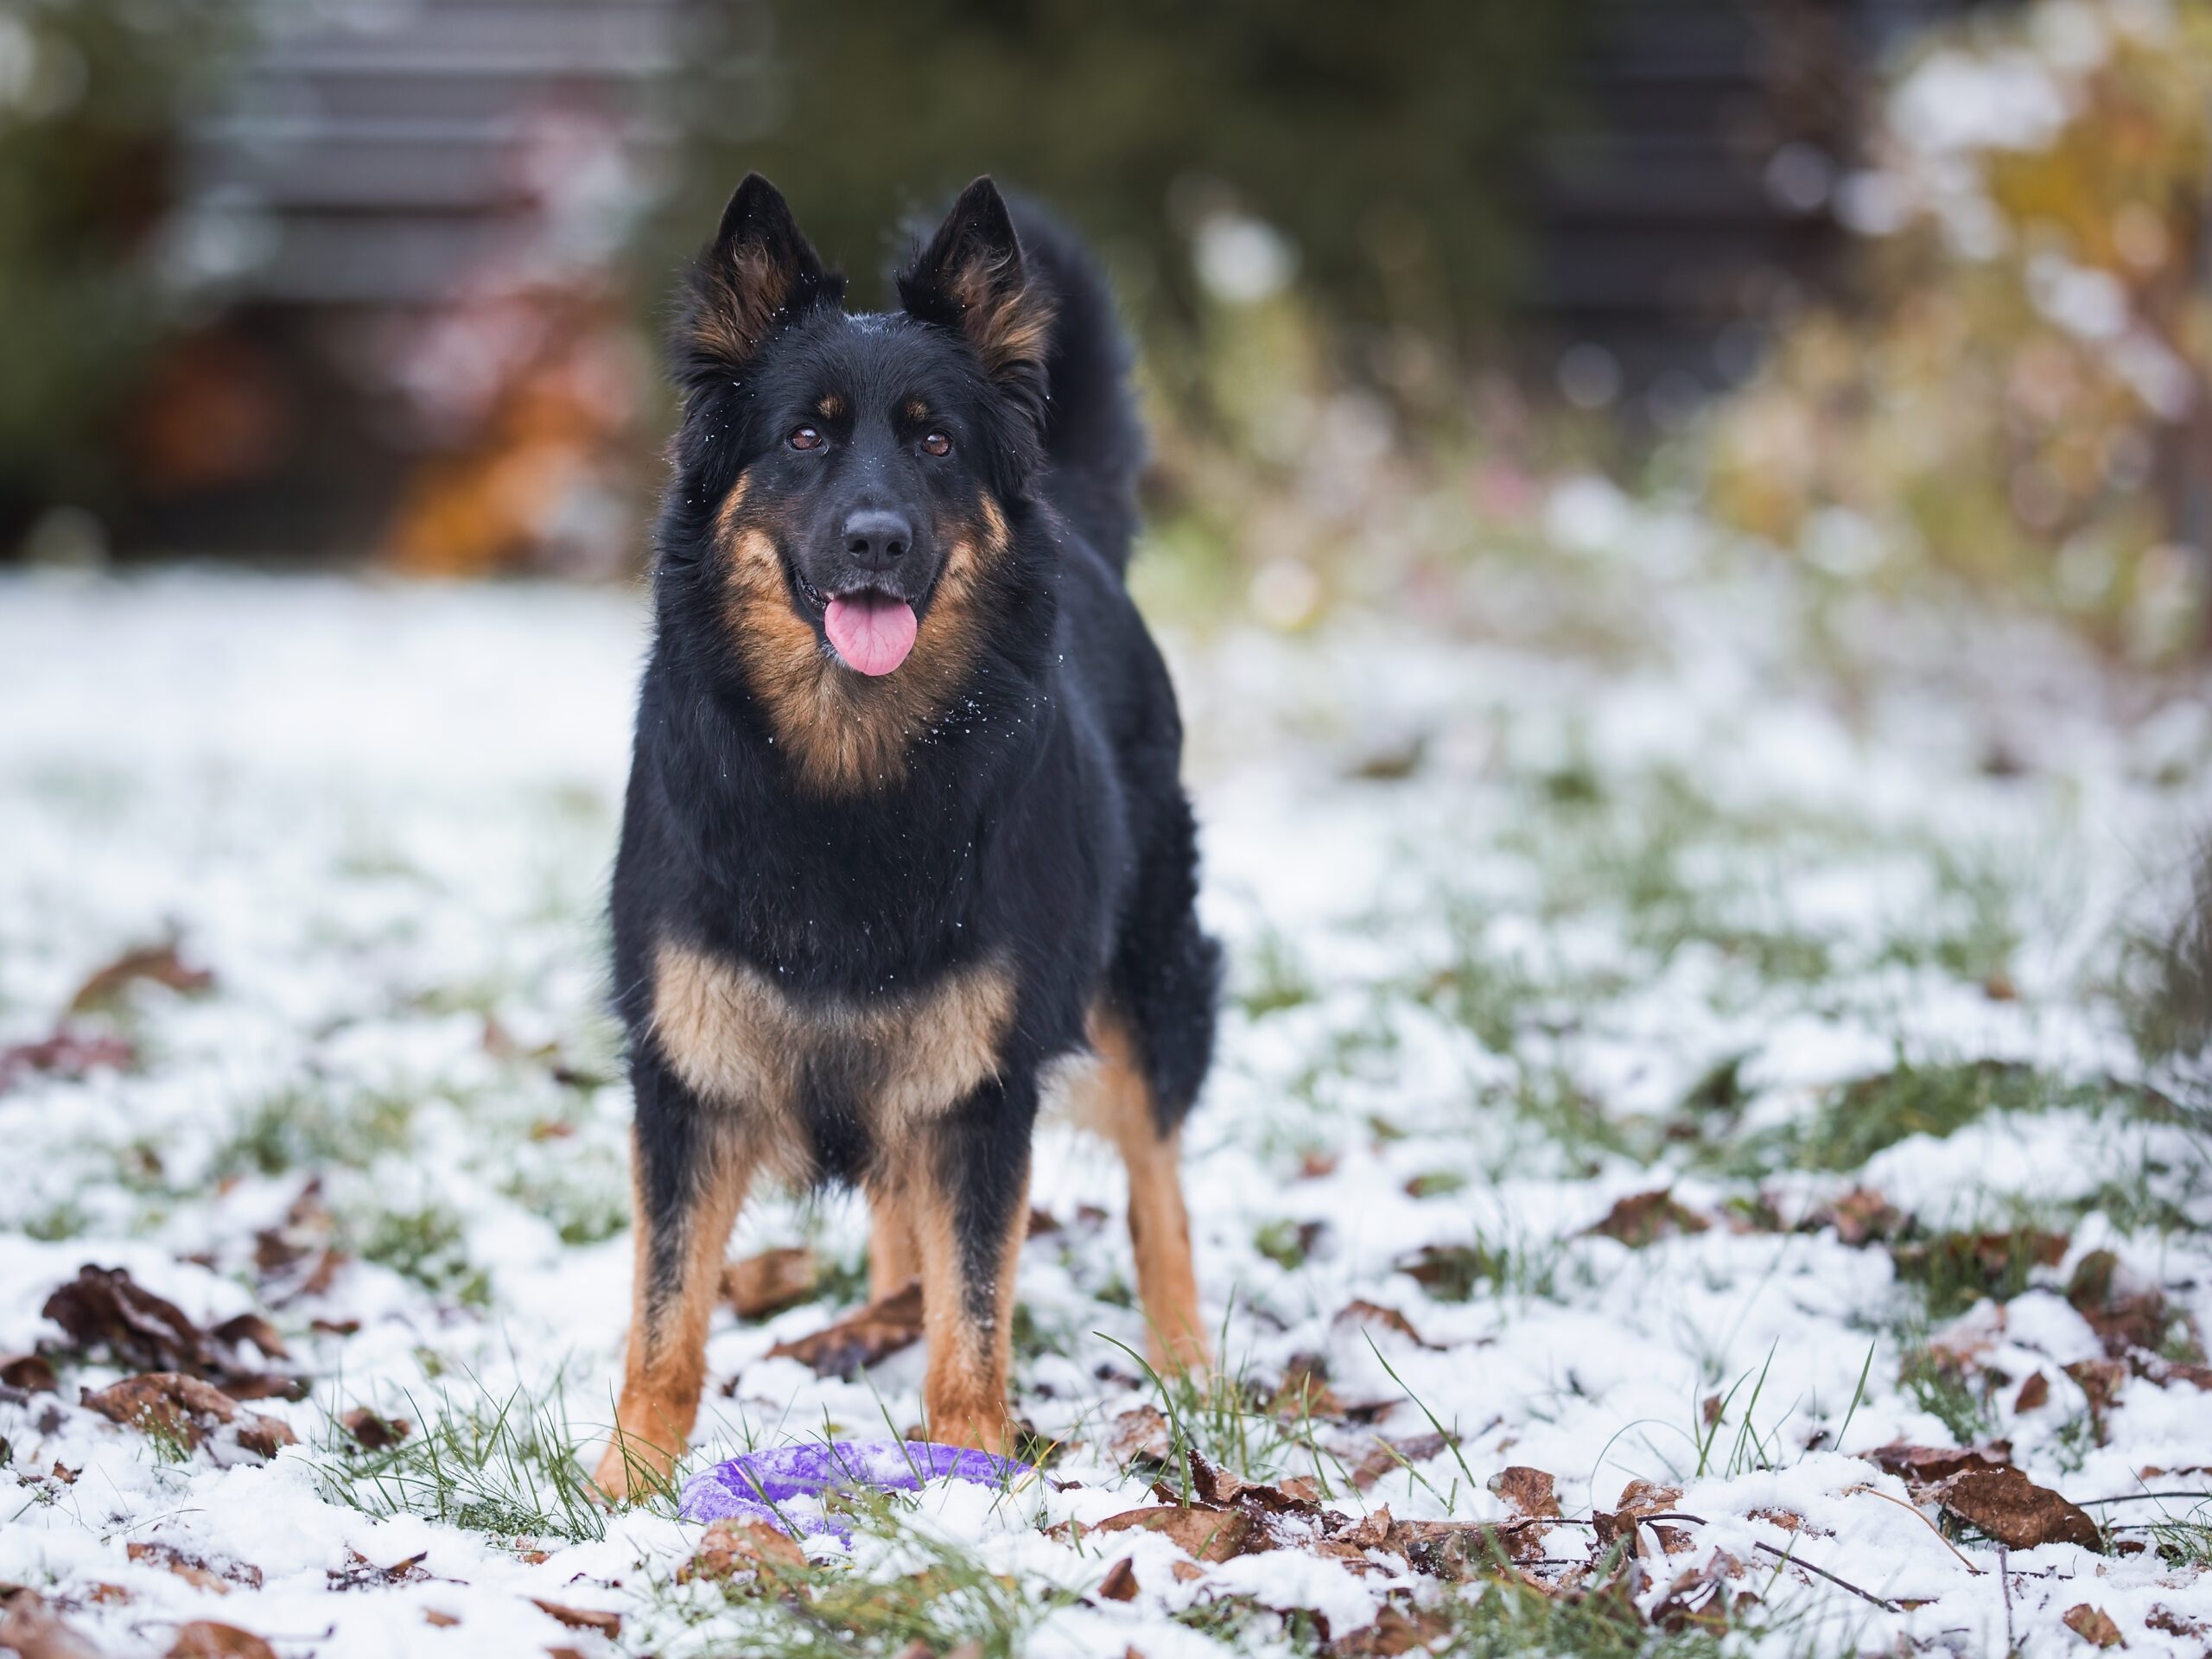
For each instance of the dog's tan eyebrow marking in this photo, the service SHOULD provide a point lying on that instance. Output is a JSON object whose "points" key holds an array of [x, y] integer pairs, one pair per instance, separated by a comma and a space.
{"points": [[831, 407], [917, 410]]}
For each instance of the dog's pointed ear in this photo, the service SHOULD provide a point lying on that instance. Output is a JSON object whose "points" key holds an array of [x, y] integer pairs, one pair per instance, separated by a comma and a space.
{"points": [[972, 278], [760, 270]]}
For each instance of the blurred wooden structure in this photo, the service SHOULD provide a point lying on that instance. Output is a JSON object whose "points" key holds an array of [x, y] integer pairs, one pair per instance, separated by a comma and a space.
{"points": [[410, 222], [1691, 198], [411, 215]]}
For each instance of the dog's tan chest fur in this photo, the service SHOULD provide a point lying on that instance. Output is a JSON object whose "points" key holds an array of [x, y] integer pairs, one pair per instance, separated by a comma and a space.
{"points": [[739, 1039]]}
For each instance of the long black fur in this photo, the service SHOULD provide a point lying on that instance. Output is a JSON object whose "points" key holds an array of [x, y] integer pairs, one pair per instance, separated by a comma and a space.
{"points": [[1042, 822]]}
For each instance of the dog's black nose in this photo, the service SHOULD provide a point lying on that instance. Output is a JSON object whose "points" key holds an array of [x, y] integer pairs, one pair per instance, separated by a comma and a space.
{"points": [[878, 539]]}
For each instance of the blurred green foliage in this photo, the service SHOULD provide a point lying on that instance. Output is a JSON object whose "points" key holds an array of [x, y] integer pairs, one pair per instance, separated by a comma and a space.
{"points": [[92, 96], [1382, 142]]}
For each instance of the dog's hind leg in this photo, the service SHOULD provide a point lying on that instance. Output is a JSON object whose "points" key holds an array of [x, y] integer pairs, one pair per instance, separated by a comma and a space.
{"points": [[893, 1252], [966, 1178], [688, 1177], [1120, 1107]]}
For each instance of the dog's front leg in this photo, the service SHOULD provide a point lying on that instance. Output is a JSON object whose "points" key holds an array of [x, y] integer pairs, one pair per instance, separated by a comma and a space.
{"points": [[689, 1172], [966, 1183]]}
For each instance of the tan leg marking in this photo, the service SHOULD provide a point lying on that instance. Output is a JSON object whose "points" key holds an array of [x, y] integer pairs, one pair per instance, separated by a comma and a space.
{"points": [[963, 1390], [894, 1254], [665, 1365], [1119, 1107]]}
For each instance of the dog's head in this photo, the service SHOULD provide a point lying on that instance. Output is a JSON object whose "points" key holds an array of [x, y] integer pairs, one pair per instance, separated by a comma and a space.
{"points": [[844, 481]]}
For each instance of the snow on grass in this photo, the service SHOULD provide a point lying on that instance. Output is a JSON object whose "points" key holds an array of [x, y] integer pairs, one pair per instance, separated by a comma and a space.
{"points": [[1804, 914]]}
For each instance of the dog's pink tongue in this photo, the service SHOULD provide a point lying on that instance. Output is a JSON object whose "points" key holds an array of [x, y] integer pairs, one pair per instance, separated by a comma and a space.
{"points": [[872, 631]]}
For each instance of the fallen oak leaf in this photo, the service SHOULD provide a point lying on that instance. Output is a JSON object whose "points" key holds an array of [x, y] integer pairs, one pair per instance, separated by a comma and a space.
{"points": [[579, 1618], [2015, 1511], [31, 1629], [170, 1402], [859, 1340], [205, 1639], [1141, 1433], [373, 1432], [1362, 1311], [1120, 1583], [1926, 1465], [1527, 1491], [159, 963], [195, 1570], [32, 1373], [65, 1054], [1643, 1219], [770, 1283], [2094, 1625], [731, 1547], [1203, 1535], [106, 1308], [1385, 1455]]}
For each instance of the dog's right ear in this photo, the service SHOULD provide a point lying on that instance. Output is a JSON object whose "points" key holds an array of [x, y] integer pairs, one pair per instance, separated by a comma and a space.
{"points": [[759, 272]]}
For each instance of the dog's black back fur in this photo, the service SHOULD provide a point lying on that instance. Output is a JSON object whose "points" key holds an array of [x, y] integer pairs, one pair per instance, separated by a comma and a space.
{"points": [[1033, 816]]}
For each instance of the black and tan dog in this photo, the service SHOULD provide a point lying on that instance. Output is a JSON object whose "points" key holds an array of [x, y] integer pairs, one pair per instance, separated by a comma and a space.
{"points": [[905, 846]]}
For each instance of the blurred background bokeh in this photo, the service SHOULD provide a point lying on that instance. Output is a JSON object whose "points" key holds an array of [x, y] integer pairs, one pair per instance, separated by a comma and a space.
{"points": [[1915, 288]]}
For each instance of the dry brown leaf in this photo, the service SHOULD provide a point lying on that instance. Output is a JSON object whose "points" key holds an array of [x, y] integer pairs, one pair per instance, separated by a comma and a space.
{"points": [[159, 963], [251, 1327], [579, 1618], [1120, 1583], [2014, 1510], [1925, 1464], [437, 1620], [173, 1403], [2094, 1625], [770, 1283], [1395, 1631], [859, 1340], [32, 1630], [2034, 1393], [205, 1639], [1525, 1491], [1460, 1550], [1644, 1218], [195, 1570], [1861, 1216], [1385, 1455], [733, 1546], [359, 1572], [65, 1054], [2163, 1617], [106, 1308], [1142, 1432], [1204, 1535], [1366, 1312], [32, 1373], [373, 1432]]}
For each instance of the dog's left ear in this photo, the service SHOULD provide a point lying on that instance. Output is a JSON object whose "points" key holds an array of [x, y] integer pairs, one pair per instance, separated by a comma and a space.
{"points": [[972, 278]]}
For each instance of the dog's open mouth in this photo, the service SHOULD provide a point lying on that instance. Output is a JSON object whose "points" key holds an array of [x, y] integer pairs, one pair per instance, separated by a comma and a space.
{"points": [[872, 630]]}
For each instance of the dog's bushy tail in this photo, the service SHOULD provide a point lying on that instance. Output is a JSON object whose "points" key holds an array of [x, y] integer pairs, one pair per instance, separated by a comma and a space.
{"points": [[1094, 442]]}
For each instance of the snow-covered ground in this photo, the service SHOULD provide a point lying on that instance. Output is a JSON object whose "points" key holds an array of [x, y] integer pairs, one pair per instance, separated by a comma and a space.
{"points": [[1774, 905]]}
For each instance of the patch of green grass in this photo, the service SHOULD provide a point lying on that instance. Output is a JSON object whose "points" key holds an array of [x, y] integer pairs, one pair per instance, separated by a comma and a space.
{"points": [[58, 1222], [507, 1467], [1940, 1386], [306, 1127], [1228, 1421], [940, 1599], [1875, 1113], [429, 1246], [1495, 1268], [1277, 977], [1955, 1269]]}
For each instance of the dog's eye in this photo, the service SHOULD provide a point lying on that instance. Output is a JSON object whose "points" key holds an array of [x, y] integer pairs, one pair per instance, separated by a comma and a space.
{"points": [[938, 444], [806, 437]]}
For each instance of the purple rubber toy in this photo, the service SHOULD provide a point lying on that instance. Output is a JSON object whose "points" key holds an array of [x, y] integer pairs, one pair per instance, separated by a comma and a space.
{"points": [[752, 1487]]}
